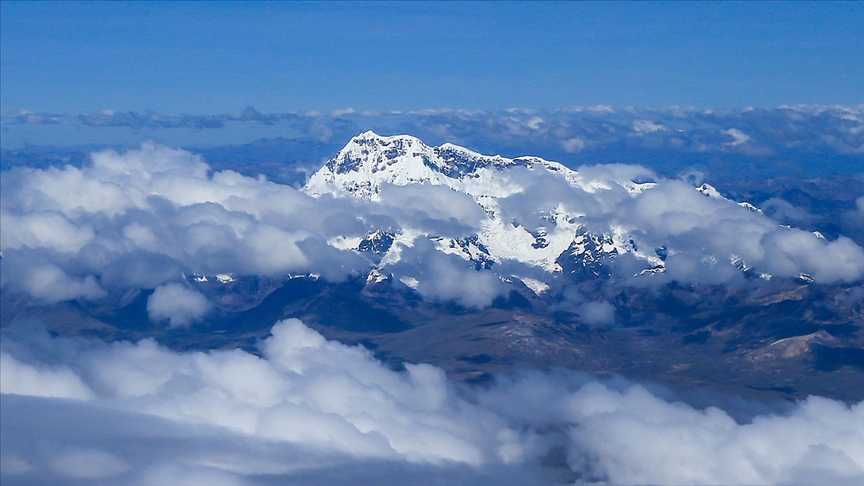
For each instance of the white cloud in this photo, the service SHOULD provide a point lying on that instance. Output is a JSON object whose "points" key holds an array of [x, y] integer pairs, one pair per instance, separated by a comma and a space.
{"points": [[179, 305], [304, 390], [636, 437], [738, 137], [275, 251], [43, 229], [535, 122], [450, 279], [145, 217], [708, 232], [346, 111], [596, 313], [23, 379], [601, 109], [784, 212], [308, 404], [646, 126], [435, 208], [795, 250], [48, 283], [854, 219], [573, 145]]}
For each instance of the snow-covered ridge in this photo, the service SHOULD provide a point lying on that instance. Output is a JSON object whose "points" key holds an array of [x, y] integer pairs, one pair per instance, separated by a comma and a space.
{"points": [[559, 233], [370, 160]]}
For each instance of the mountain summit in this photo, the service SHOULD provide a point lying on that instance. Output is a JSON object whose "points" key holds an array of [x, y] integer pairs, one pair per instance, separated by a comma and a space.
{"points": [[370, 160]]}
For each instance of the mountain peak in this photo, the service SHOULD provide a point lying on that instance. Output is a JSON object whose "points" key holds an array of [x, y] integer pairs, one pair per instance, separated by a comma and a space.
{"points": [[370, 135], [370, 159], [371, 139]]}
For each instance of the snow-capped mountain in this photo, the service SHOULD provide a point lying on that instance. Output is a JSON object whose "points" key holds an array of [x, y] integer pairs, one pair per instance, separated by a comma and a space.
{"points": [[558, 235], [559, 240], [370, 160]]}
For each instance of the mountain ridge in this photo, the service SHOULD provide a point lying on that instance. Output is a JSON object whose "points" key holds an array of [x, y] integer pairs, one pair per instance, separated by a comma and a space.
{"points": [[552, 238]]}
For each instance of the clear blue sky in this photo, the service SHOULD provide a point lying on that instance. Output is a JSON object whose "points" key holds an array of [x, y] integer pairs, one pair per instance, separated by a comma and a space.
{"points": [[202, 58]]}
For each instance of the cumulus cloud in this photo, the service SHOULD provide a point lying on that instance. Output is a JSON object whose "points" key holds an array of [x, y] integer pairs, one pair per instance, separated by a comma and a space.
{"points": [[635, 437], [443, 276], [448, 278], [307, 405], [144, 218], [785, 212], [304, 390], [572, 145], [596, 313], [181, 306], [738, 137], [43, 229], [47, 282], [308, 410], [147, 217], [703, 237], [642, 127], [23, 379], [704, 234], [433, 208], [796, 249]]}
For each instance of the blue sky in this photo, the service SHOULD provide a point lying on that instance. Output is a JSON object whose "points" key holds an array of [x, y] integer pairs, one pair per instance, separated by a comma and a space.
{"points": [[201, 58]]}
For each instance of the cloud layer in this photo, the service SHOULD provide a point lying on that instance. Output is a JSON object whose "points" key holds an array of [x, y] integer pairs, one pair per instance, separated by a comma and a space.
{"points": [[144, 218], [307, 410], [153, 217], [307, 405], [671, 140]]}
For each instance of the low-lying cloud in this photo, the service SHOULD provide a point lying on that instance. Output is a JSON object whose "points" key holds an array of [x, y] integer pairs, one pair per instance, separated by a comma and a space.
{"points": [[674, 215], [569, 134], [145, 218], [181, 306], [155, 216], [307, 407], [596, 313]]}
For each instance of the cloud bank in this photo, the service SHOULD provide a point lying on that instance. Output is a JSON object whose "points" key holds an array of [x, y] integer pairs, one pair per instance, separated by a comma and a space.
{"points": [[307, 408], [179, 305], [152, 218], [144, 218]]}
